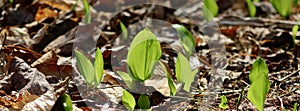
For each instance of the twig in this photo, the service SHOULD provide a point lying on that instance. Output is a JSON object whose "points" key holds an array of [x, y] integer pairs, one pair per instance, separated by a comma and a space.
{"points": [[281, 79]]}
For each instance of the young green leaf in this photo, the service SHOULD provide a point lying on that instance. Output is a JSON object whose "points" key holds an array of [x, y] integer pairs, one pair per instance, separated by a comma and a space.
{"points": [[85, 67], [126, 78], [259, 84], [239, 99], [128, 100], [98, 67], [144, 52], [144, 102], [186, 39], [251, 8], [11, 1], [87, 14], [283, 7], [259, 67], [170, 81], [124, 30], [210, 9], [67, 102], [294, 33], [295, 107], [74, 6], [184, 72], [223, 103]]}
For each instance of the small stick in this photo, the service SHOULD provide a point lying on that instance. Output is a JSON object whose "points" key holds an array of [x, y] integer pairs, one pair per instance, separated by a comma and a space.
{"points": [[281, 79]]}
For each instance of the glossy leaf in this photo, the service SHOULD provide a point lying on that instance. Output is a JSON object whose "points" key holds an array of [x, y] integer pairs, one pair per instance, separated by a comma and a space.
{"points": [[128, 100], [251, 8], [67, 102], [210, 9], [259, 84], [186, 39], [170, 81], [144, 102], [124, 30], [184, 72], [85, 67], [224, 102], [98, 67], [87, 14], [259, 67], [126, 78], [143, 55], [283, 7]]}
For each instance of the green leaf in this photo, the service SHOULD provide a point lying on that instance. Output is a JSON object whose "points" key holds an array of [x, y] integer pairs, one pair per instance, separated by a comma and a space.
{"points": [[184, 72], [294, 33], [260, 84], [251, 8], [11, 1], [67, 102], [186, 39], [210, 9], [87, 13], [85, 67], [283, 7], [223, 103], [144, 52], [124, 30], [98, 64], [239, 99], [295, 107], [259, 67], [144, 102], [126, 78], [170, 81], [128, 100]]}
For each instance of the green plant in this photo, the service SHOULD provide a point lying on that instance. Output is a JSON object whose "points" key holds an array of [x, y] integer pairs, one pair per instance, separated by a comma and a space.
{"points": [[240, 99], [294, 33], [170, 81], [87, 13], [210, 9], [223, 103], [128, 100], [67, 102], [184, 72], [251, 8], [259, 83], [91, 73], [11, 1], [144, 102], [143, 55], [124, 30], [283, 7], [186, 39], [295, 107]]}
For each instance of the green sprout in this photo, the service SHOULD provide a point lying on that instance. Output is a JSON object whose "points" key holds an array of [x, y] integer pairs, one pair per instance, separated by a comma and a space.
{"points": [[144, 102], [186, 39], [87, 12], [224, 102], [251, 8], [294, 33], [124, 30], [91, 73], [295, 107], [128, 100], [184, 72], [210, 9], [283, 7], [67, 102], [170, 81], [259, 83]]}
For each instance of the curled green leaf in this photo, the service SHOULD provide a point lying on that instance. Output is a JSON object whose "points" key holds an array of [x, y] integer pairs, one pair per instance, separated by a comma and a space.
{"points": [[128, 100], [283, 7], [67, 102], [186, 39], [144, 102], [251, 8], [224, 102], [85, 67], [98, 67]]}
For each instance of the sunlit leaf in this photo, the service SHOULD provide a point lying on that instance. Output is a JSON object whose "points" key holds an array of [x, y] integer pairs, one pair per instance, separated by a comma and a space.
{"points": [[186, 39], [184, 72], [170, 81], [260, 84], [98, 66], [283, 7], [251, 8], [144, 102], [294, 33], [124, 30], [67, 102], [85, 67], [143, 55], [87, 14], [128, 100], [259, 67], [295, 107], [126, 78], [224, 102], [210, 9]]}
